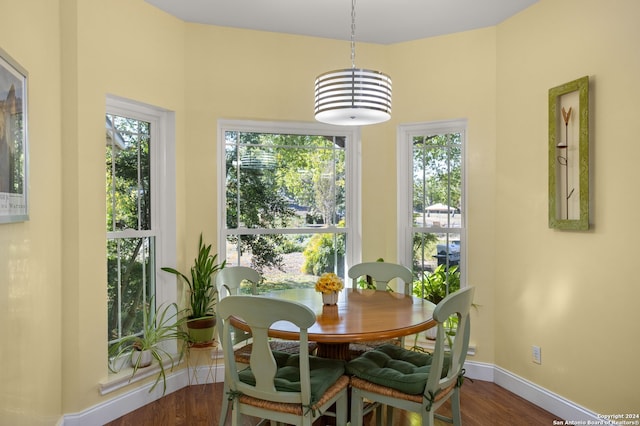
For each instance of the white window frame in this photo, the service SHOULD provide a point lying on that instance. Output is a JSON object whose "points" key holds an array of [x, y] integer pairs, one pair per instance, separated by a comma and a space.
{"points": [[405, 135], [353, 227], [163, 191]]}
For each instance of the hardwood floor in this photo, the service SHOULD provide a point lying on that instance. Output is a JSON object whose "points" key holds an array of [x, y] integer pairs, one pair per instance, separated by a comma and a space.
{"points": [[483, 404]]}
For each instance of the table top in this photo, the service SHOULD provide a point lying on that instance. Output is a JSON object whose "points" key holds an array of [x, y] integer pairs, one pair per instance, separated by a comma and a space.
{"points": [[360, 315]]}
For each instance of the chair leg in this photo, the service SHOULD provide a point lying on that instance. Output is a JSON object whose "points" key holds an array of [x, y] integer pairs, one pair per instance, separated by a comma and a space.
{"points": [[342, 408], [455, 407], [235, 414], [389, 415], [428, 418], [224, 409], [357, 407]]}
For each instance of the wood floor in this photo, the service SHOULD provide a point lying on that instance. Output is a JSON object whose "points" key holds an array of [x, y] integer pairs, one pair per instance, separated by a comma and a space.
{"points": [[483, 404]]}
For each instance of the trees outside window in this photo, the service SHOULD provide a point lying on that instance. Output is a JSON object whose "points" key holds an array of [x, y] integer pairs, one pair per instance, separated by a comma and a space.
{"points": [[286, 205]]}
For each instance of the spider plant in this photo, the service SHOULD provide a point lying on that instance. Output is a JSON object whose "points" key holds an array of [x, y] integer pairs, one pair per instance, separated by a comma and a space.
{"points": [[160, 325]]}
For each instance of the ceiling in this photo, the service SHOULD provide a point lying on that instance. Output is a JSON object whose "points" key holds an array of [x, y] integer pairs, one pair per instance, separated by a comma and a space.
{"points": [[377, 21]]}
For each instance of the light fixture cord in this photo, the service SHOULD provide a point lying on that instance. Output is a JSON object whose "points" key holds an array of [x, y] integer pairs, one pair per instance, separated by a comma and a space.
{"points": [[353, 33]]}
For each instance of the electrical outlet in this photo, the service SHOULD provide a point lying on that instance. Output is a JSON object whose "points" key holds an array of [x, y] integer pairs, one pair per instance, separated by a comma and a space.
{"points": [[536, 354]]}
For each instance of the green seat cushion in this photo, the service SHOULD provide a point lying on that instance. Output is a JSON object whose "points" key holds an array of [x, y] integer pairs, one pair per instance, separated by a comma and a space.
{"points": [[394, 367], [324, 372]]}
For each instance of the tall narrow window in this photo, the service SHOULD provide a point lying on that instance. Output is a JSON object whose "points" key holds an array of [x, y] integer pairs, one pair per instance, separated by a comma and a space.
{"points": [[286, 207], [433, 227], [140, 215], [130, 242]]}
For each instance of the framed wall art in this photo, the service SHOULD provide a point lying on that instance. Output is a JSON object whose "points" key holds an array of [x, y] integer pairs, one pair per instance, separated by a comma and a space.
{"points": [[569, 155], [13, 141]]}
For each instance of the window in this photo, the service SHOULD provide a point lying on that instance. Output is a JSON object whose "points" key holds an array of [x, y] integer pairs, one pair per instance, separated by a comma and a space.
{"points": [[289, 199], [138, 234], [431, 206]]}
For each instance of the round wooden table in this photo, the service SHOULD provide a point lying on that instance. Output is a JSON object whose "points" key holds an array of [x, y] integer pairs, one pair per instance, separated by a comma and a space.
{"points": [[359, 316]]}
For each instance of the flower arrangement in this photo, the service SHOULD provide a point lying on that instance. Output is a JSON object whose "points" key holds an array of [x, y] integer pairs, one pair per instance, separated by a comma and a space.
{"points": [[329, 283]]}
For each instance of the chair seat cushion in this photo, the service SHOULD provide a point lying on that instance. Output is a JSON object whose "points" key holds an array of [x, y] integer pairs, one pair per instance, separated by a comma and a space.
{"points": [[243, 353], [394, 367], [324, 372]]}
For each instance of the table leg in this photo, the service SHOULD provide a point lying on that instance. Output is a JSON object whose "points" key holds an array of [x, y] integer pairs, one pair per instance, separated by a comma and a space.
{"points": [[333, 350]]}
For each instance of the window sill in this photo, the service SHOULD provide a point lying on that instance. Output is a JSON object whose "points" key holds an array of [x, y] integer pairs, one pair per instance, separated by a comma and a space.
{"points": [[124, 377]]}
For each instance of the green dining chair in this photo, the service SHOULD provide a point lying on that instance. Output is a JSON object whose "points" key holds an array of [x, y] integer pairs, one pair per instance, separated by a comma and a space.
{"points": [[414, 381], [294, 389], [228, 282]]}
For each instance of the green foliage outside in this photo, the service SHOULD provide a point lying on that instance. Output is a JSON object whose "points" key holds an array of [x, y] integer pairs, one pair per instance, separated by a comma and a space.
{"points": [[437, 171], [324, 253], [278, 181]]}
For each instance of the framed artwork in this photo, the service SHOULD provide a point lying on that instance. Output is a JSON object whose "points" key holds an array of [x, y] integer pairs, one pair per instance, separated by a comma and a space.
{"points": [[569, 155], [13, 141]]}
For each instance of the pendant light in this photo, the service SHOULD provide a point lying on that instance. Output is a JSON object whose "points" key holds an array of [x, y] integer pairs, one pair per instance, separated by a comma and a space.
{"points": [[353, 96]]}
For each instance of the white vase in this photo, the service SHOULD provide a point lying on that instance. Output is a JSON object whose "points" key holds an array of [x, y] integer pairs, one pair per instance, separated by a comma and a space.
{"points": [[143, 356], [330, 298], [431, 333]]}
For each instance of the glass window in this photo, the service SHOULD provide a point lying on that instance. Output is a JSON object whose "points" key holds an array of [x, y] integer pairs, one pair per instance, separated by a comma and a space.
{"points": [[130, 245], [140, 224], [434, 216], [286, 209]]}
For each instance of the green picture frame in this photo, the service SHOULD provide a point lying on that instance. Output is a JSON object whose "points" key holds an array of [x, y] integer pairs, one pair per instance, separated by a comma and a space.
{"points": [[569, 155]]}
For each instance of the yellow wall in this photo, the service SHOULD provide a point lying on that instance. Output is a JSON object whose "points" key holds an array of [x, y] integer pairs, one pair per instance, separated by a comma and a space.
{"points": [[535, 285], [573, 293], [30, 259], [124, 48]]}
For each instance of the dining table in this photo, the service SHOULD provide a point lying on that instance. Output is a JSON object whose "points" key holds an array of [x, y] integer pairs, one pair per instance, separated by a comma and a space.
{"points": [[360, 315]]}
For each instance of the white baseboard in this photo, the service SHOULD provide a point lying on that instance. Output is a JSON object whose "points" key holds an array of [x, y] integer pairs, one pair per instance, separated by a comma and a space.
{"points": [[555, 404], [130, 401]]}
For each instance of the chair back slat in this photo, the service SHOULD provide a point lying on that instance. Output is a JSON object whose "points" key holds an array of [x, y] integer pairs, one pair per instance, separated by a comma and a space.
{"points": [[228, 281], [382, 273]]}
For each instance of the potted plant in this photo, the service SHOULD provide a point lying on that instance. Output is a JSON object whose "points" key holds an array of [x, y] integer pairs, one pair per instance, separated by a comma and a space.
{"points": [[139, 351], [434, 288], [202, 293]]}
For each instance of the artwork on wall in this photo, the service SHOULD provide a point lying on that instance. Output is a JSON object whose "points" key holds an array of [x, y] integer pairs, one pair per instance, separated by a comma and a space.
{"points": [[13, 141], [569, 155]]}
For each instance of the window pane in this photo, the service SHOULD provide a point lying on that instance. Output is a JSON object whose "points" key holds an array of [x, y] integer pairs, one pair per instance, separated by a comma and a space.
{"points": [[284, 181], [128, 176], [436, 255], [437, 184], [294, 258], [130, 284]]}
